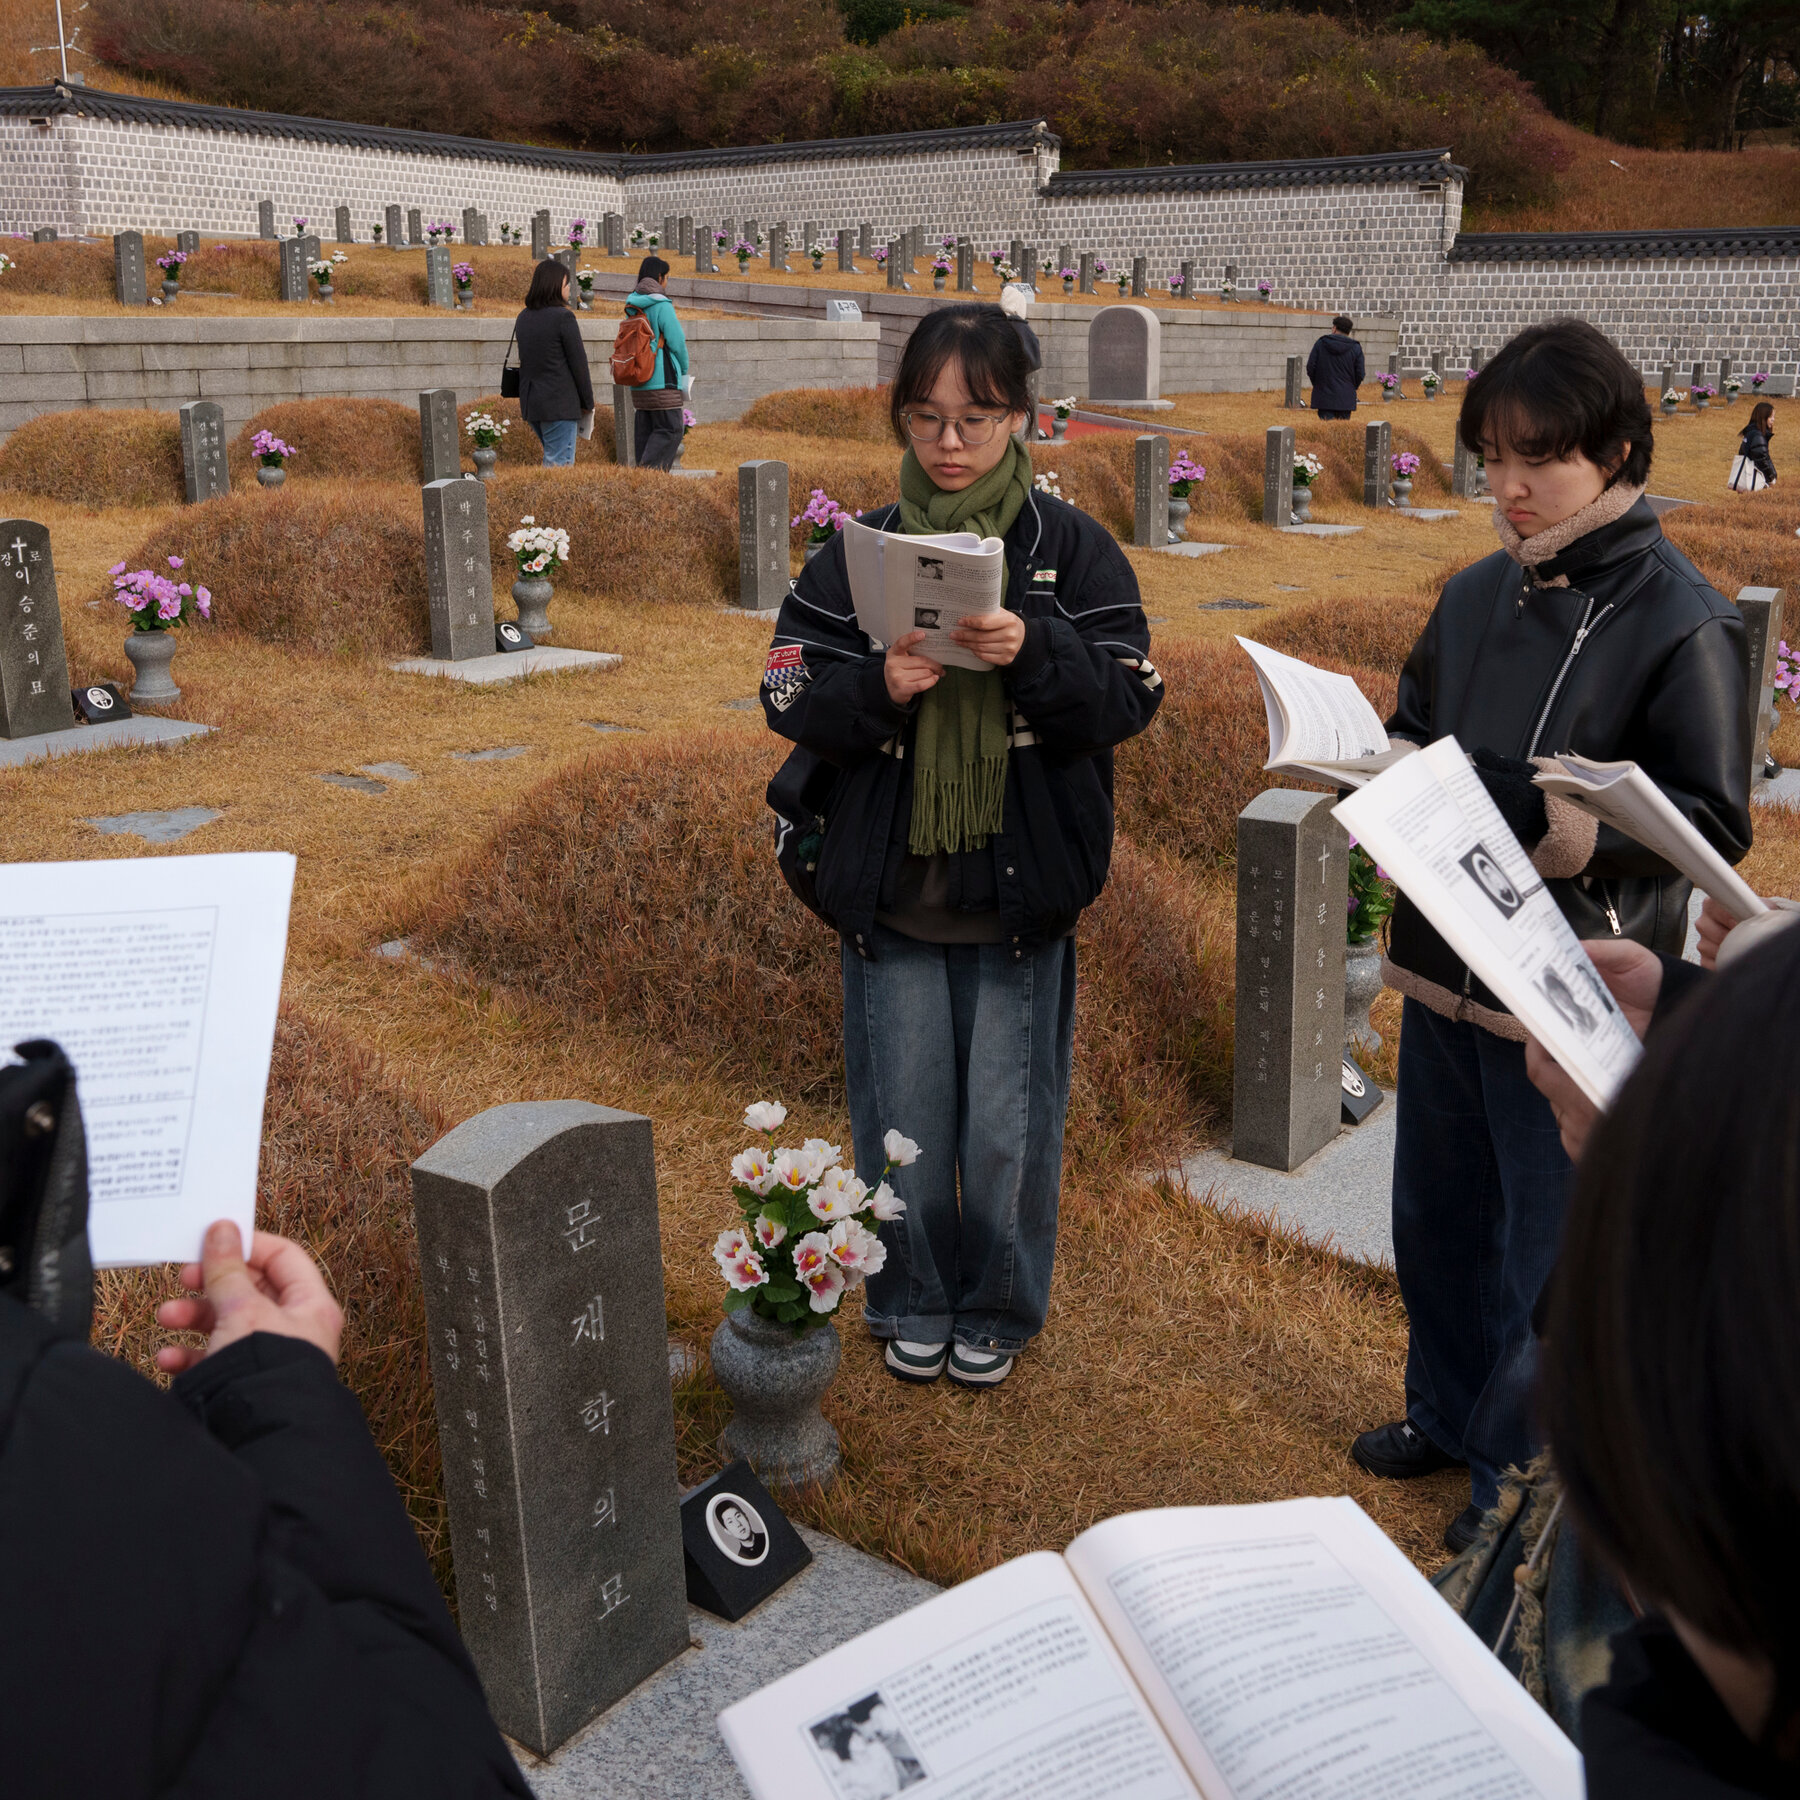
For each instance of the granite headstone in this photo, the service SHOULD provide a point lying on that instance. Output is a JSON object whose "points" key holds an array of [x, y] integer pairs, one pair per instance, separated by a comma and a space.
{"points": [[470, 226], [540, 236], [762, 534], [704, 261], [846, 252], [188, 242], [1186, 272], [459, 581], [128, 268], [1378, 471], [293, 270], [671, 230], [684, 238], [1761, 607], [1290, 397], [896, 264], [542, 1275], [204, 469], [440, 289], [1150, 491], [391, 227], [1140, 277], [265, 218], [34, 672], [345, 234], [415, 227], [1465, 472], [44, 234], [440, 446], [624, 428], [778, 249], [865, 239], [1278, 475], [1125, 354], [1084, 270], [1028, 267]]}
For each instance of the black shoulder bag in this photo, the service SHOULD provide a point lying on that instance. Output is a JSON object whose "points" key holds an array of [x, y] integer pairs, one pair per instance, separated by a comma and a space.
{"points": [[509, 371]]}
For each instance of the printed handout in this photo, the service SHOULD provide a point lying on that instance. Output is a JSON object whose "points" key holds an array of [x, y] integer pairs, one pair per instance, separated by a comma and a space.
{"points": [[1321, 726], [160, 978], [902, 583]]}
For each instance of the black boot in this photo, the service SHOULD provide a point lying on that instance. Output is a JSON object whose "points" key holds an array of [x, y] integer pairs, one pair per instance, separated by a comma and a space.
{"points": [[1401, 1451]]}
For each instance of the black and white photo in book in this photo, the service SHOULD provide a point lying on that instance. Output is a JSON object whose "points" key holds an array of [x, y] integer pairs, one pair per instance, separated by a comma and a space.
{"points": [[931, 568], [1485, 871], [737, 1528], [927, 618], [865, 1752], [1566, 1001]]}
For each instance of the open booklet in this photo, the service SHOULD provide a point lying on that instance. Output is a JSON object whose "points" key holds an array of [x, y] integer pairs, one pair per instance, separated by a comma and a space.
{"points": [[1430, 823], [903, 583], [1321, 728], [1231, 1652]]}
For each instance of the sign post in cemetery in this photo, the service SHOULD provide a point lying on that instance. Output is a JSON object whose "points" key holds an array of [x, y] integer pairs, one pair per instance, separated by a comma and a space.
{"points": [[34, 672], [1378, 470], [762, 534], [459, 580], [204, 470], [1278, 475], [1293, 883], [1150, 491], [128, 269], [542, 1271], [1761, 607]]}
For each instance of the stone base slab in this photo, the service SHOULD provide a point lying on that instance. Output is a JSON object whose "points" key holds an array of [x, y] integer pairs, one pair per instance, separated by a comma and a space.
{"points": [[506, 665], [1186, 549], [1310, 529], [1426, 512], [116, 734]]}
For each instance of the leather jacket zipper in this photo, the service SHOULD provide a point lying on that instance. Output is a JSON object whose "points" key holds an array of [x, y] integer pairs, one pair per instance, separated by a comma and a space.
{"points": [[1589, 625], [1612, 912]]}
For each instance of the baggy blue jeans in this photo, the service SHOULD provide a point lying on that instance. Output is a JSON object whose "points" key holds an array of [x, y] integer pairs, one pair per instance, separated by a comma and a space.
{"points": [[558, 438], [1481, 1184], [965, 1048]]}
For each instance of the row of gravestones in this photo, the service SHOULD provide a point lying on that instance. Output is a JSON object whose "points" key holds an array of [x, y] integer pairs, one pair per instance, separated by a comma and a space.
{"points": [[1296, 373]]}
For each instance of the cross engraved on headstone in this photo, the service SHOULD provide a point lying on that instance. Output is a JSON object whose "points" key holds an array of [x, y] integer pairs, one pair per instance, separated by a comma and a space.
{"points": [[34, 672], [1378, 471], [415, 226], [1290, 397], [542, 1272], [459, 580], [345, 235], [204, 468], [1150, 491], [440, 446], [391, 227], [44, 234], [188, 242], [265, 218], [439, 290], [1278, 475], [624, 428], [1125, 354], [540, 235], [128, 268], [1085, 272], [1761, 607], [762, 534], [1292, 888]]}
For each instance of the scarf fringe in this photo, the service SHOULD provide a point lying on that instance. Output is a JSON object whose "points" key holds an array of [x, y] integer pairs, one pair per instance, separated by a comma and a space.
{"points": [[960, 811]]}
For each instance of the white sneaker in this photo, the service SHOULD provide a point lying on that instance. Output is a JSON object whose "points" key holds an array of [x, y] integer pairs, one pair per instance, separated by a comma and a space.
{"points": [[915, 1362], [980, 1368]]}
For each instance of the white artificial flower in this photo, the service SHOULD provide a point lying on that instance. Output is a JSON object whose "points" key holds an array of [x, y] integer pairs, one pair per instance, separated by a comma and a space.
{"points": [[885, 1204], [755, 1169], [811, 1254], [901, 1151], [730, 1244], [827, 1156], [826, 1286], [769, 1232], [745, 1272], [856, 1250], [793, 1170], [764, 1115], [839, 1194]]}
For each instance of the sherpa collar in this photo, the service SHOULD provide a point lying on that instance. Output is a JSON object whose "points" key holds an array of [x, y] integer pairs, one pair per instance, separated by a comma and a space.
{"points": [[1551, 542]]}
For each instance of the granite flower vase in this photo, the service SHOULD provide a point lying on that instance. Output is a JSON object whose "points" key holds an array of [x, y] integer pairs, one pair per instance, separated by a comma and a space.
{"points": [[485, 456], [532, 595], [1402, 491], [151, 653], [1302, 503], [775, 1381], [170, 290], [1059, 429], [1178, 518], [1362, 982]]}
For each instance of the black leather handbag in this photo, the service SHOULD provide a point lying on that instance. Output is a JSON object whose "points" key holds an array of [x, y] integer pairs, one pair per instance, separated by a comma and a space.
{"points": [[509, 371]]}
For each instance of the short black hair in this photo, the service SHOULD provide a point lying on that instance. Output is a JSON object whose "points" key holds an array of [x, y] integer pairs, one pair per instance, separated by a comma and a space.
{"points": [[1557, 388], [1344, 323], [546, 284], [653, 268], [982, 341], [1671, 1367]]}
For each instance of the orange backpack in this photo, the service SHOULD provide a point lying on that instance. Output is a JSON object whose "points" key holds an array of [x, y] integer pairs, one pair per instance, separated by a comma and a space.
{"points": [[634, 351]]}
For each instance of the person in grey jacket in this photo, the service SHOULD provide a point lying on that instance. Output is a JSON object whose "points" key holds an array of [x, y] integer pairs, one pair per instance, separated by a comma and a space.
{"points": [[555, 389]]}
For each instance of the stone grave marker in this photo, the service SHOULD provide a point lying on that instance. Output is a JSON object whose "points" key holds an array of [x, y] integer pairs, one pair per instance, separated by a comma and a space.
{"points": [[391, 227], [345, 235], [612, 233], [624, 428], [1477, 358], [704, 263], [1761, 607], [684, 238], [1724, 376], [540, 236], [1699, 374], [1186, 272], [188, 242], [896, 264], [1398, 374], [778, 249], [1125, 354], [1150, 491], [293, 270], [1378, 471], [204, 470], [538, 1245], [34, 672], [265, 218], [1140, 277], [965, 267], [1465, 473], [1668, 379], [1028, 268], [440, 445], [1065, 257], [846, 253], [1292, 887], [439, 289], [1437, 364], [1085, 273], [128, 268], [1295, 374], [670, 231], [762, 534], [459, 582], [415, 227], [470, 227], [843, 312], [1231, 275], [865, 239], [45, 234], [751, 228], [1015, 251], [809, 235], [1278, 475]]}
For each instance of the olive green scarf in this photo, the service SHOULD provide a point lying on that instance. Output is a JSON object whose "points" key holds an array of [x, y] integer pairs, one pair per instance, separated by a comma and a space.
{"points": [[959, 749]]}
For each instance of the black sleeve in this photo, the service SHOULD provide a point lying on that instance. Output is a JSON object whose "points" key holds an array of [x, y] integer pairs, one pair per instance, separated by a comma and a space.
{"points": [[1757, 449], [1312, 366], [1411, 717], [576, 351], [1680, 979], [1361, 367]]}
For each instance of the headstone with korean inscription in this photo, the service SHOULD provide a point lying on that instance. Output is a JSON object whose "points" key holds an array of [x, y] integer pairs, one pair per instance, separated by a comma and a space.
{"points": [[1140, 277], [624, 428], [439, 289], [1378, 468], [540, 236], [1150, 491], [1278, 475], [293, 270], [471, 225], [1465, 472], [965, 267], [684, 235], [345, 232], [1028, 267], [762, 534], [1084, 273], [205, 472], [440, 447], [613, 228], [1290, 397], [704, 261], [1292, 889], [459, 582], [778, 248], [34, 673], [846, 252], [265, 218], [670, 236], [1761, 607], [415, 227], [865, 238], [128, 269], [1124, 345], [542, 1271], [391, 227], [188, 242]]}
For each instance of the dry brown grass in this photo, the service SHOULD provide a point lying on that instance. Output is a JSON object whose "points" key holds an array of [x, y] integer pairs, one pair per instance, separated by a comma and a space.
{"points": [[352, 440], [1742, 540], [855, 413], [97, 457]]}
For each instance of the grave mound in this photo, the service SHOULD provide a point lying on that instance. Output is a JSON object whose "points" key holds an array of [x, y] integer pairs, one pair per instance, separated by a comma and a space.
{"points": [[1374, 635], [100, 456], [855, 413], [1097, 474], [1741, 540], [519, 447], [355, 440]]}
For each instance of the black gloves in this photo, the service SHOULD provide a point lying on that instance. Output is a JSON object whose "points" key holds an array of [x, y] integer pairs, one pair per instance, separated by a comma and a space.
{"points": [[1508, 780]]}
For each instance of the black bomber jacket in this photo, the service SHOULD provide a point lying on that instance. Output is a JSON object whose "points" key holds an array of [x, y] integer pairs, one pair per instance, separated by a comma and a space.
{"points": [[1637, 657], [1081, 683]]}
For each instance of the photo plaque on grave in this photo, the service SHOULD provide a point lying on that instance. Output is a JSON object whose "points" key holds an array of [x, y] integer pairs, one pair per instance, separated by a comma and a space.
{"points": [[739, 1545], [459, 581], [205, 471], [34, 672]]}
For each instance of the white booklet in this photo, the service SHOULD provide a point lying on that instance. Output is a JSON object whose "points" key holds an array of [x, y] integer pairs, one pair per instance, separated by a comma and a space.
{"points": [[1430, 823], [1621, 795], [1278, 1652], [930, 584], [160, 978], [1321, 727]]}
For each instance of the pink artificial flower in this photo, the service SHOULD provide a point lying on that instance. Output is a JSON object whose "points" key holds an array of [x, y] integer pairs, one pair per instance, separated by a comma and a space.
{"points": [[203, 600], [826, 1286], [811, 1254], [174, 562], [856, 1250], [885, 1204], [745, 1272], [118, 568], [769, 1232]]}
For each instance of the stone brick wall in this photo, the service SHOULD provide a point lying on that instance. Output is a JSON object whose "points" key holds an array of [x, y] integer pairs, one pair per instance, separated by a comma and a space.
{"points": [[50, 364]]}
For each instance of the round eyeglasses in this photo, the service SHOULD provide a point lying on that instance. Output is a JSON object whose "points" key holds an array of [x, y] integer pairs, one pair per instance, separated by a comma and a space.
{"points": [[928, 427]]}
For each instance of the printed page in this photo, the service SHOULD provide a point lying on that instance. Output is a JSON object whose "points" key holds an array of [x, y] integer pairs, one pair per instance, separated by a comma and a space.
{"points": [[1315, 716], [1429, 822], [1292, 1653], [1005, 1688], [160, 977], [1621, 795], [900, 583]]}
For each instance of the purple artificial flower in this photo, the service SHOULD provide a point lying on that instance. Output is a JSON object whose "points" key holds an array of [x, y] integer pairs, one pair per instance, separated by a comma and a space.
{"points": [[203, 600], [175, 562], [118, 568]]}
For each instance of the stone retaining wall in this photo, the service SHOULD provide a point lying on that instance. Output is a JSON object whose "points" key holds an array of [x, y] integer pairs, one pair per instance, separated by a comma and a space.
{"points": [[53, 364]]}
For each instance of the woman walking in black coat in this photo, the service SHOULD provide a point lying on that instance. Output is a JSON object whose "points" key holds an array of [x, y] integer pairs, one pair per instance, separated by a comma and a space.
{"points": [[556, 392], [1753, 457]]}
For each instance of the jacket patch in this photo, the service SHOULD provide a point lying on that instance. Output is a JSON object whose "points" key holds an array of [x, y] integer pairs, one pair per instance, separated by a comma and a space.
{"points": [[785, 676], [1045, 575]]}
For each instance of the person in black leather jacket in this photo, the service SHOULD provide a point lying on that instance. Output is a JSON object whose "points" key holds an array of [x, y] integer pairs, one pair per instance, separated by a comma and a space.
{"points": [[1753, 442], [1587, 632]]}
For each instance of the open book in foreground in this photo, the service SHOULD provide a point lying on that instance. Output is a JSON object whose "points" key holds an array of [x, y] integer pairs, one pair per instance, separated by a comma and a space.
{"points": [[931, 584], [1431, 825], [1229, 1652], [1321, 727]]}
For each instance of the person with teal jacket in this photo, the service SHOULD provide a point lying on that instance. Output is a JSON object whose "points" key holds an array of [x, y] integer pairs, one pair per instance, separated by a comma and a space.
{"points": [[657, 427]]}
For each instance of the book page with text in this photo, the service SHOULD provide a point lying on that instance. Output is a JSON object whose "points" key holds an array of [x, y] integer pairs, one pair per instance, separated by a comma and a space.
{"points": [[933, 584], [160, 977], [1004, 1688], [1315, 716], [1292, 1653]]}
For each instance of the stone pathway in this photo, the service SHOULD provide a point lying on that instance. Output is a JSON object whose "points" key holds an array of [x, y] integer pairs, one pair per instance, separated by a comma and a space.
{"points": [[357, 784], [501, 753], [158, 827]]}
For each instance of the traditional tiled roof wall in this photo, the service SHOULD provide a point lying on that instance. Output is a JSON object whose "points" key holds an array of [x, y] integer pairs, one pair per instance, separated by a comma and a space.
{"points": [[1373, 234]]}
